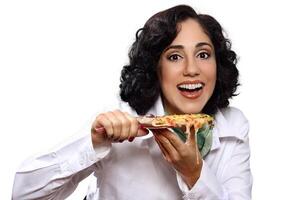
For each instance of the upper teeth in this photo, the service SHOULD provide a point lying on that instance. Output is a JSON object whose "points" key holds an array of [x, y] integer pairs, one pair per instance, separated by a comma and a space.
{"points": [[191, 86]]}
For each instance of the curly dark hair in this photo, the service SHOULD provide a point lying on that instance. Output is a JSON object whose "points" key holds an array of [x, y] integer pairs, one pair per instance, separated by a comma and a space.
{"points": [[140, 85]]}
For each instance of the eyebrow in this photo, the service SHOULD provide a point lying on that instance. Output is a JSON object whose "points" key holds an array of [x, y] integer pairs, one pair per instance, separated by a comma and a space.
{"points": [[200, 44]]}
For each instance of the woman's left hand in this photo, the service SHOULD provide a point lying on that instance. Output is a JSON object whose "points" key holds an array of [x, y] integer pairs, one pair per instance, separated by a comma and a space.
{"points": [[184, 157]]}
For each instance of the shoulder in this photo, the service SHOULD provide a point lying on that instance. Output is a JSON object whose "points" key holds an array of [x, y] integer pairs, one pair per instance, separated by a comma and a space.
{"points": [[233, 122], [233, 115]]}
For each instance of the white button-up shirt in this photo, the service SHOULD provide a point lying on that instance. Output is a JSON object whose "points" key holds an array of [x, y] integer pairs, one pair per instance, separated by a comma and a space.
{"points": [[137, 170]]}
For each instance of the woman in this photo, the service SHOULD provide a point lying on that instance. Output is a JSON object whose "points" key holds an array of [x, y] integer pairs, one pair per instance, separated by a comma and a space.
{"points": [[180, 63]]}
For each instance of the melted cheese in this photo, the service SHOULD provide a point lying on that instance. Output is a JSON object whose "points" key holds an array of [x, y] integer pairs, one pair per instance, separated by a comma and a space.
{"points": [[186, 120]]}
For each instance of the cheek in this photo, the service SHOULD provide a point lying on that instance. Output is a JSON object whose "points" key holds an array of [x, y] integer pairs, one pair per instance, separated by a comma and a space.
{"points": [[212, 72], [168, 77], [211, 77], [214, 76], [167, 85]]}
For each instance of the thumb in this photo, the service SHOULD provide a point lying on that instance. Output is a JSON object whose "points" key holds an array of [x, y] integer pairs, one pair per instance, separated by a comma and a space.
{"points": [[100, 130], [142, 131]]}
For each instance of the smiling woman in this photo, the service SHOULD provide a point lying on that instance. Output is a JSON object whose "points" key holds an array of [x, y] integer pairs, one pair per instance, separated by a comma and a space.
{"points": [[180, 63], [160, 37], [188, 70]]}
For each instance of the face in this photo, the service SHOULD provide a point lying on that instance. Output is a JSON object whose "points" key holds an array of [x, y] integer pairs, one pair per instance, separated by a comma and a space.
{"points": [[187, 70]]}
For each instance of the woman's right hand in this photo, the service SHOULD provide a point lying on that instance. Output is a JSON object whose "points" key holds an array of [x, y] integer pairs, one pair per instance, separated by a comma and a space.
{"points": [[115, 126]]}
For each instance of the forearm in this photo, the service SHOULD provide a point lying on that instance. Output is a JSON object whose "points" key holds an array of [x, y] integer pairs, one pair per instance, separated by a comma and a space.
{"points": [[46, 183], [55, 175]]}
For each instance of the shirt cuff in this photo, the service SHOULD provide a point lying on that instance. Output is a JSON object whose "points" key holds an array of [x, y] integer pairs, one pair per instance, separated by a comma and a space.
{"points": [[100, 151], [207, 186], [80, 154]]}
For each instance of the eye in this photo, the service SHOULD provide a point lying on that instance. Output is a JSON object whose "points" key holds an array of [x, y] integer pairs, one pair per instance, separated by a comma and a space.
{"points": [[203, 55], [174, 57]]}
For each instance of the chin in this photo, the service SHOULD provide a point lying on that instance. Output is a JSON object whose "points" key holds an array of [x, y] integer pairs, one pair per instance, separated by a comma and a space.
{"points": [[191, 109]]}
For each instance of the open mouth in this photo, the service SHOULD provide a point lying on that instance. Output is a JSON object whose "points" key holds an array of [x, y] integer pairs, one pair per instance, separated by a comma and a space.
{"points": [[190, 87], [191, 90]]}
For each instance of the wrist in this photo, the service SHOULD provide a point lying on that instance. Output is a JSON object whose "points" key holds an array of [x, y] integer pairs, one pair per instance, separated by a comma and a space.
{"points": [[191, 179]]}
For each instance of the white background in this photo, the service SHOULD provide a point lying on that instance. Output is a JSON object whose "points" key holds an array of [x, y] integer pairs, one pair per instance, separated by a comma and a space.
{"points": [[60, 62]]}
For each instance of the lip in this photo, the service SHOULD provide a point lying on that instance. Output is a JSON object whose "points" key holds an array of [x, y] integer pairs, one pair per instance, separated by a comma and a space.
{"points": [[191, 82], [191, 95]]}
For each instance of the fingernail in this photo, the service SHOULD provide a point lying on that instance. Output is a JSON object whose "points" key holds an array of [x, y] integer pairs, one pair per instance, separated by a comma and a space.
{"points": [[141, 126], [99, 130], [121, 141], [131, 139]]}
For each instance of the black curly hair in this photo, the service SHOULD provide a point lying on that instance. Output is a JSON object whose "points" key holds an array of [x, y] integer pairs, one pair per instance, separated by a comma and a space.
{"points": [[140, 85]]}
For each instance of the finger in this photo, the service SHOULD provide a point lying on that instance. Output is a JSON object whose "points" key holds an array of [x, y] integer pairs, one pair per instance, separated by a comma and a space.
{"points": [[102, 121], [142, 131], [191, 135], [156, 131], [163, 150], [116, 125], [133, 126], [192, 140], [125, 124], [100, 130], [166, 144], [173, 139]]}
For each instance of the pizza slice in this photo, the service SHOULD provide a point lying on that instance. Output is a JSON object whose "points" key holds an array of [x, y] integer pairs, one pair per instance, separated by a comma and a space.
{"points": [[202, 124], [172, 121]]}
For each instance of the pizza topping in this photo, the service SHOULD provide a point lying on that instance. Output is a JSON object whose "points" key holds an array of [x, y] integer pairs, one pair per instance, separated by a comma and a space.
{"points": [[187, 120], [180, 121]]}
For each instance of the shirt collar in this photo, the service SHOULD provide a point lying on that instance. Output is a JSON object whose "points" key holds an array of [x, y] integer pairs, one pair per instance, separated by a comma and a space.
{"points": [[223, 129], [157, 108]]}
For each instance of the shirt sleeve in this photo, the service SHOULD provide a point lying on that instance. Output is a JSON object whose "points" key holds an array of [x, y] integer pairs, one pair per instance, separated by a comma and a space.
{"points": [[207, 186], [234, 184], [56, 174]]}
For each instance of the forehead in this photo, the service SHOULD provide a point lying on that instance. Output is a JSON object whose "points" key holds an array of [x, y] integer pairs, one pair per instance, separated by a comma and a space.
{"points": [[190, 33]]}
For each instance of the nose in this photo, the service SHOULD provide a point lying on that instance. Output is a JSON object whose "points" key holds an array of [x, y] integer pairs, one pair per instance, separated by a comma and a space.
{"points": [[191, 68]]}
